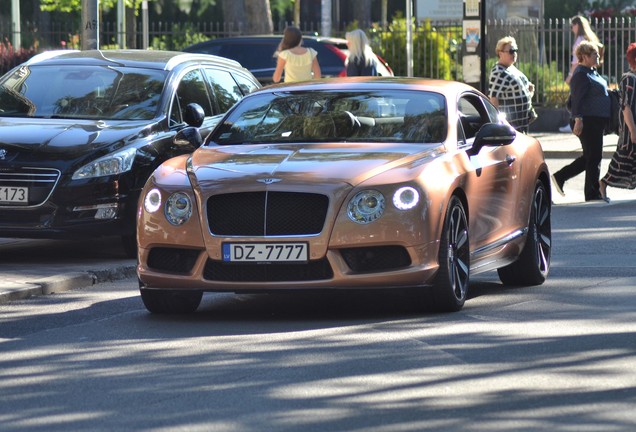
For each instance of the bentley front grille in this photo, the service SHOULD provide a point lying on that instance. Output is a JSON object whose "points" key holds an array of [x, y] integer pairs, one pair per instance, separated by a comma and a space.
{"points": [[267, 214], [242, 272]]}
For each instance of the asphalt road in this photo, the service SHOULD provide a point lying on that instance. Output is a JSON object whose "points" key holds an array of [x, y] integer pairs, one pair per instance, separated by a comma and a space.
{"points": [[557, 357]]}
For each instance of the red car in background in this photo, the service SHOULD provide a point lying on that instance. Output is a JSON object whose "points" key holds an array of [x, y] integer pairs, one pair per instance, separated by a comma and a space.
{"points": [[256, 53]]}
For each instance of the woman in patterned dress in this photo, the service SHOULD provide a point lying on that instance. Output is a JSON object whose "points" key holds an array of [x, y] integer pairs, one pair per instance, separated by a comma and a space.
{"points": [[621, 172], [298, 63], [509, 89]]}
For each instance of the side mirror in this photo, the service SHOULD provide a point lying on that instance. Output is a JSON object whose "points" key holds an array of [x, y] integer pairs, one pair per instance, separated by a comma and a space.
{"points": [[188, 137], [493, 134], [194, 115]]}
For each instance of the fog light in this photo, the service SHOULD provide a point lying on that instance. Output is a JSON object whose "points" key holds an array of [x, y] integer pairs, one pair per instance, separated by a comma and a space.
{"points": [[102, 211], [106, 213]]}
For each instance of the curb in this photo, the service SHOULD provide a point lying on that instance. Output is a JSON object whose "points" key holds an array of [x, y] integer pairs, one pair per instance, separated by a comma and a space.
{"points": [[64, 282]]}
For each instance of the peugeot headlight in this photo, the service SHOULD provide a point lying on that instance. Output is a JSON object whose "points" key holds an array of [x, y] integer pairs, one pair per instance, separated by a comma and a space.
{"points": [[406, 198], [366, 206], [114, 163], [178, 208]]}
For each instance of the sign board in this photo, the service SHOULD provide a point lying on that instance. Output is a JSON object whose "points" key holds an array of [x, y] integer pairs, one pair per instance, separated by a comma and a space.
{"points": [[473, 60], [439, 9]]}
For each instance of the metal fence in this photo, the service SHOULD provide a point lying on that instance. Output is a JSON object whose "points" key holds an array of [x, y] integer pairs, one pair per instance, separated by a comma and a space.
{"points": [[438, 51]]}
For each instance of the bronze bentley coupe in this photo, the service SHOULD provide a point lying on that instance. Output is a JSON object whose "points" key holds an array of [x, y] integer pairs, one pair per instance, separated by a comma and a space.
{"points": [[343, 184]]}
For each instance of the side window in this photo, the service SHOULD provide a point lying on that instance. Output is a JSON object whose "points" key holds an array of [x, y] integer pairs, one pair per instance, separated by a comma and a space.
{"points": [[472, 115], [191, 89], [225, 89], [247, 85], [493, 113], [461, 138]]}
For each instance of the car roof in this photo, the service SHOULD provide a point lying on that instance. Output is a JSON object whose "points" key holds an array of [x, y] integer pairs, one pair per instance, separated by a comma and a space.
{"points": [[269, 38], [375, 83], [153, 59]]}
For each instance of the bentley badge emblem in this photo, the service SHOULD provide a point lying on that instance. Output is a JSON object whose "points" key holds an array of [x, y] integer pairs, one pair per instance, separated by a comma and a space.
{"points": [[269, 181]]}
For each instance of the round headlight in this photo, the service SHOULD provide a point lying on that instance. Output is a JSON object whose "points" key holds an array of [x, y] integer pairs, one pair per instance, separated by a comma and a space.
{"points": [[406, 198], [178, 208], [152, 202], [366, 206]]}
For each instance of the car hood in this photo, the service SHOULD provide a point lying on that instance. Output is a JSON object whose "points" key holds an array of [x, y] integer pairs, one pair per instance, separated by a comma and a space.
{"points": [[61, 137], [303, 163]]}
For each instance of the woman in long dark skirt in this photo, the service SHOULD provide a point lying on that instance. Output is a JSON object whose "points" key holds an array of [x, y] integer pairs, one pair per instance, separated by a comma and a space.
{"points": [[621, 172]]}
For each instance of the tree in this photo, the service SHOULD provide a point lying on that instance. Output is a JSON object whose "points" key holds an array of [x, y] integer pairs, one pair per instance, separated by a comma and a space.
{"points": [[248, 17], [259, 17], [233, 13], [297, 12], [362, 12]]}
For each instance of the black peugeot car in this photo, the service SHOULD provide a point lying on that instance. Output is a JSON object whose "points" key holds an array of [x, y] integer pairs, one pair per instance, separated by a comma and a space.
{"points": [[81, 132]]}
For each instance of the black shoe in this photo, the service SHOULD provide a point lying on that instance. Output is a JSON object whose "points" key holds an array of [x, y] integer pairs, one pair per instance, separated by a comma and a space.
{"points": [[558, 185]]}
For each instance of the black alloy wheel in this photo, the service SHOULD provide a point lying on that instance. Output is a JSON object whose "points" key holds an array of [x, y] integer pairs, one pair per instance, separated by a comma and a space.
{"points": [[451, 284]]}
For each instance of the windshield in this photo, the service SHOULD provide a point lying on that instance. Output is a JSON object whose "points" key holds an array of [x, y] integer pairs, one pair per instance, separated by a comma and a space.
{"points": [[93, 92], [324, 116]]}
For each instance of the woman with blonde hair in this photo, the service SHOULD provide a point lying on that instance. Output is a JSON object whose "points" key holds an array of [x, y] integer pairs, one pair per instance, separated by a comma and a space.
{"points": [[361, 59], [582, 31], [590, 111], [509, 89], [298, 63]]}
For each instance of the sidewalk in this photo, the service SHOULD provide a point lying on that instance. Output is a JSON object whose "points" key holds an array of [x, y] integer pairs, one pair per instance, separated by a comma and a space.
{"points": [[38, 267], [558, 145], [30, 267], [562, 148]]}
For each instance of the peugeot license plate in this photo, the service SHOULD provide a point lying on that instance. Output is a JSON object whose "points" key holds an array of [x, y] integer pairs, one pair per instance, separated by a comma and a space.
{"points": [[265, 252], [11, 194]]}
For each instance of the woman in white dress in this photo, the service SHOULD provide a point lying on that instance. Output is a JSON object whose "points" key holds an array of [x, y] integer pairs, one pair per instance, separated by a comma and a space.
{"points": [[297, 62]]}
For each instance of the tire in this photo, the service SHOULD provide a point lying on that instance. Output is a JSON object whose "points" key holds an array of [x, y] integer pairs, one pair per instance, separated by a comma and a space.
{"points": [[449, 291], [533, 264], [170, 301]]}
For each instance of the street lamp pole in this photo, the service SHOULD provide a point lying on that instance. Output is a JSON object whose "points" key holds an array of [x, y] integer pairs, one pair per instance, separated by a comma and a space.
{"points": [[90, 25], [409, 38], [15, 17]]}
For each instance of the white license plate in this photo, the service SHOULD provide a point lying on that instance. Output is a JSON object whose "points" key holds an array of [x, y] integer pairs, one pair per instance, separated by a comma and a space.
{"points": [[265, 252], [10, 194]]}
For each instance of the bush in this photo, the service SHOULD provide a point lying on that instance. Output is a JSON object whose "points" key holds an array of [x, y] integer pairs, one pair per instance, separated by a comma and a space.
{"points": [[181, 36], [10, 57], [431, 50]]}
